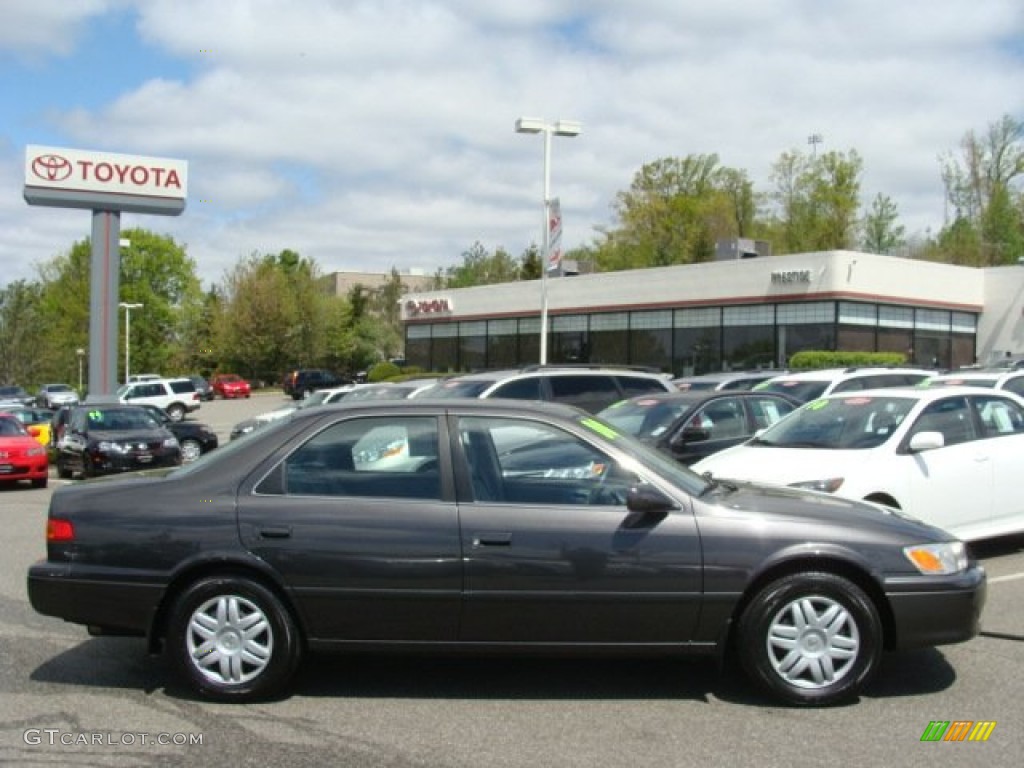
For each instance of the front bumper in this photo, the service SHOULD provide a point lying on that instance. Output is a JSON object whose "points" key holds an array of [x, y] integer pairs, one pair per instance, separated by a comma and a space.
{"points": [[928, 612]]}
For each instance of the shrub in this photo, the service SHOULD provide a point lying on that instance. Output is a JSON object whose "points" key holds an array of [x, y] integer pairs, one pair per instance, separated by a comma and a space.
{"points": [[813, 359]]}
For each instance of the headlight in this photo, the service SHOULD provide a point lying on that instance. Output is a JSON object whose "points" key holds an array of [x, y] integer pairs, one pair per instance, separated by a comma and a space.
{"points": [[170, 442], [108, 446], [938, 559], [826, 485]]}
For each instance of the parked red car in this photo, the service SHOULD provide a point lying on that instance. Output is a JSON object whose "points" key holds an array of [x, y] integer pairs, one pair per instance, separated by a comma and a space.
{"points": [[229, 385], [21, 455]]}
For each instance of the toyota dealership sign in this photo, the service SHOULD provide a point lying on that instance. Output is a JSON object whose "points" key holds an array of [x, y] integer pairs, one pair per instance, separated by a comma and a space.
{"points": [[75, 178]]}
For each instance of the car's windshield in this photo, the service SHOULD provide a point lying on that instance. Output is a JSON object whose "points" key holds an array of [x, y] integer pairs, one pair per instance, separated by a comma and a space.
{"points": [[851, 422], [679, 475], [804, 391], [958, 381], [646, 418], [58, 388], [451, 389], [120, 419]]}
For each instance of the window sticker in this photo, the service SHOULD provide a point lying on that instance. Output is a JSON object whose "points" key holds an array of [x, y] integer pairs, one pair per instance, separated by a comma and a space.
{"points": [[601, 429], [857, 401], [817, 405]]}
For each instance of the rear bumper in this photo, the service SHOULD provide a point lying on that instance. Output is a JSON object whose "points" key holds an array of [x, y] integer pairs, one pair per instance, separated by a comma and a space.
{"points": [[928, 613], [126, 607]]}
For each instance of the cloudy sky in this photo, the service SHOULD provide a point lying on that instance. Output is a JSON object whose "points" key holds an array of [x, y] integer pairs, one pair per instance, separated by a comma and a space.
{"points": [[374, 134]]}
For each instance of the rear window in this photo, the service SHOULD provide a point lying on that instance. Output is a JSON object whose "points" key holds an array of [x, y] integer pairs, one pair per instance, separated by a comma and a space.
{"points": [[639, 385]]}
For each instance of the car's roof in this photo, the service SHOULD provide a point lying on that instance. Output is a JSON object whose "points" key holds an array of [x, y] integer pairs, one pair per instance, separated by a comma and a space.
{"points": [[828, 374], [486, 405], [925, 394], [701, 395]]}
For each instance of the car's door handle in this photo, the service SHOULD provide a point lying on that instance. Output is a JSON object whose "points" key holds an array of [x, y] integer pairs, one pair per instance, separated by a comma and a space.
{"points": [[276, 532], [492, 540]]}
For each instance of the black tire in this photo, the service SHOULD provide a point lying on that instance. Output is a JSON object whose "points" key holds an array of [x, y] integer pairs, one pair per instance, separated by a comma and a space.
{"points": [[260, 671], [40, 483], [833, 655], [176, 412], [62, 470]]}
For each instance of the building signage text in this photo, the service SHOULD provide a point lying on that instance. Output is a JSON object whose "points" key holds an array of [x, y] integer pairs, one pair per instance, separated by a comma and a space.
{"points": [[102, 172], [433, 306], [781, 276]]}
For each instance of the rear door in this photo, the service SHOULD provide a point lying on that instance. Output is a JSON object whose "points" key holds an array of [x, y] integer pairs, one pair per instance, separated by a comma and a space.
{"points": [[361, 524]]}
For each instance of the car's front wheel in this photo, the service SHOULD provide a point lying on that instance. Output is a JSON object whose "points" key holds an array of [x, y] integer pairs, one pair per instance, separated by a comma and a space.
{"points": [[233, 639], [811, 638], [190, 450]]}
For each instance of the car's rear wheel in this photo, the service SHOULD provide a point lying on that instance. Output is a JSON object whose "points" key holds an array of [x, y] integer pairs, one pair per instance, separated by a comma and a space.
{"points": [[176, 412], [232, 639], [811, 638], [40, 482], [190, 450]]}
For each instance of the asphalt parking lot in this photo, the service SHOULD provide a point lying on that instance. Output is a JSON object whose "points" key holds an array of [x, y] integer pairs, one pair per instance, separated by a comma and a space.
{"points": [[66, 698]]}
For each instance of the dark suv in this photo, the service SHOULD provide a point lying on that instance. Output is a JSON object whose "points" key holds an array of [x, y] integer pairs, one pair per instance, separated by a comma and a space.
{"points": [[301, 382]]}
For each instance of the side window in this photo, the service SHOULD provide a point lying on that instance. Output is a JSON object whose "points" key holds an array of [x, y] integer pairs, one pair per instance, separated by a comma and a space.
{"points": [[722, 418], [591, 393], [149, 390], [1015, 385], [379, 457], [949, 416], [526, 462], [519, 389], [998, 415], [181, 387], [766, 411], [850, 385]]}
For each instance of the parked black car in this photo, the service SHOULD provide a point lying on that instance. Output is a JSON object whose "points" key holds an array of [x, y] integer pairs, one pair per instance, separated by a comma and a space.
{"points": [[304, 381], [691, 425], [194, 438], [417, 525], [11, 393], [105, 439]]}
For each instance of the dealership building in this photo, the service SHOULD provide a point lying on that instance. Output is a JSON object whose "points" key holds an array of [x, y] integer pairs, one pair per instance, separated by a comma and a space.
{"points": [[746, 311]]}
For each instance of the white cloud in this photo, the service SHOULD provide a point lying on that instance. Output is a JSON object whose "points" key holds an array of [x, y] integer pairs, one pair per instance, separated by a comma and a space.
{"points": [[371, 135]]}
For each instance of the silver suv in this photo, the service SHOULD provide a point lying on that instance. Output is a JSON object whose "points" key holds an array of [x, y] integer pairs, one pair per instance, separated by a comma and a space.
{"points": [[175, 396], [591, 389]]}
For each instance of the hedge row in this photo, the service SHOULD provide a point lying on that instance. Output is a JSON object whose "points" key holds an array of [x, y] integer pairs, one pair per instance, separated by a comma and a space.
{"points": [[812, 359]]}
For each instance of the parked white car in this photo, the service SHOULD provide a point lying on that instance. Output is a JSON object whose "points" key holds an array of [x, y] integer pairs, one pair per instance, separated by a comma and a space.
{"points": [[951, 456], [175, 396]]}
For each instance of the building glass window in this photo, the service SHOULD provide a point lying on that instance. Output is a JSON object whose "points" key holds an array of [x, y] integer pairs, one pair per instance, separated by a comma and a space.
{"points": [[650, 339], [696, 341], [749, 340], [609, 338], [568, 342], [502, 343], [473, 345]]}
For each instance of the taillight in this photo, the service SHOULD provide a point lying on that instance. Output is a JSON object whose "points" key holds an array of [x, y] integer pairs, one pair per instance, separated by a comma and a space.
{"points": [[59, 530]]}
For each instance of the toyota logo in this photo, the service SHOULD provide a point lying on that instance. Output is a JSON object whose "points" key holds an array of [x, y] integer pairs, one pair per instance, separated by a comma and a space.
{"points": [[51, 167]]}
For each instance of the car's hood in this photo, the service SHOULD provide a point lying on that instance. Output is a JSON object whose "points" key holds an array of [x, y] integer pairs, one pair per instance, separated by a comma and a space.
{"points": [[767, 502], [781, 466]]}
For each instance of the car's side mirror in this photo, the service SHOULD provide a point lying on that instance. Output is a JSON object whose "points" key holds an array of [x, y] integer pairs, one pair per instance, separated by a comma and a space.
{"points": [[646, 505], [926, 441], [691, 435]]}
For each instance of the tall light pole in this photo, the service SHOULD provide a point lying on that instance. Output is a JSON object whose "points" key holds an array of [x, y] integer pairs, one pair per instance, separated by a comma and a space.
{"points": [[814, 140], [81, 355], [128, 307], [557, 128]]}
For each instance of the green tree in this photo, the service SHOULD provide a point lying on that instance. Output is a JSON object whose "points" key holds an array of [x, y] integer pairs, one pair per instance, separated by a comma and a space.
{"points": [[983, 190], [881, 232], [479, 267], [21, 334], [815, 200], [674, 212]]}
